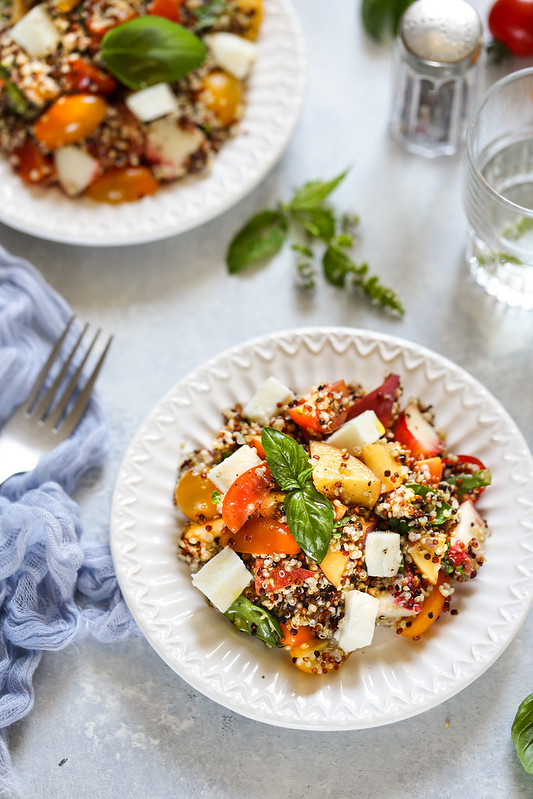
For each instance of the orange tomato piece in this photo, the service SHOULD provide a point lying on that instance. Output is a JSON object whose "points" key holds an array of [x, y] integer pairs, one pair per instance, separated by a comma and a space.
{"points": [[122, 185], [222, 94], [324, 411], [260, 536], [254, 10], [429, 612], [432, 468], [245, 495], [85, 77], [33, 166], [193, 495], [169, 9], [303, 635], [70, 119]]}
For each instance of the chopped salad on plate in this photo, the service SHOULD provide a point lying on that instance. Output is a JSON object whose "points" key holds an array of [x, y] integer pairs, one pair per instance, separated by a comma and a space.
{"points": [[313, 518], [113, 99]]}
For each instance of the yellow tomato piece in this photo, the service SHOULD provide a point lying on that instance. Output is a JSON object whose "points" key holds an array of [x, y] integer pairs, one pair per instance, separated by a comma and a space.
{"points": [[254, 10], [193, 495], [312, 657], [123, 185], [222, 94], [70, 119]]}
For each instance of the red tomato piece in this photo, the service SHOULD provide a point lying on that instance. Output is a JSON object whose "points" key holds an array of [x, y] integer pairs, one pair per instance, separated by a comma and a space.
{"points": [[262, 536], [278, 577], [324, 411], [245, 495], [169, 9], [381, 401], [85, 77], [511, 23], [33, 166], [302, 636]]}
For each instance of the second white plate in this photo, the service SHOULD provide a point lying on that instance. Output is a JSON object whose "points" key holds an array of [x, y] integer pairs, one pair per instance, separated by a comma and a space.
{"points": [[274, 99], [394, 678]]}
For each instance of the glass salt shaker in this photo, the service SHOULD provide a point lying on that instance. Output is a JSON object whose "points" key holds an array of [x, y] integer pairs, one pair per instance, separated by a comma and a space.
{"points": [[437, 56]]}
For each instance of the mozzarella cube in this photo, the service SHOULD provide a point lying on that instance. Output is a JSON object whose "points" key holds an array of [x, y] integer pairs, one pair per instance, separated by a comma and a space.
{"points": [[264, 403], [36, 33], [383, 555], [233, 53], [153, 102], [75, 168], [222, 579], [358, 432], [224, 473], [170, 145], [356, 628]]}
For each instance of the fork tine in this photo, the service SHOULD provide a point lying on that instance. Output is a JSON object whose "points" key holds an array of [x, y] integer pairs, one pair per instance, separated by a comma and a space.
{"points": [[44, 406], [57, 412], [71, 421], [41, 377]]}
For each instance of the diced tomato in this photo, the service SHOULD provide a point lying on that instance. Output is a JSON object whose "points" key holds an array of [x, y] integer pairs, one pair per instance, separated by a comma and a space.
{"points": [[468, 460], [193, 495], [33, 166], [458, 557], [256, 442], [324, 411], [70, 119], [303, 635], [429, 612], [260, 536], [381, 401], [278, 577], [122, 185], [431, 468], [245, 495], [169, 9], [85, 77], [103, 15]]}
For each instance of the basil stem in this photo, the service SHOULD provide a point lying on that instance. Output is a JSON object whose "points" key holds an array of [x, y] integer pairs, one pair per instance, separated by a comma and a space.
{"points": [[148, 50], [252, 619]]}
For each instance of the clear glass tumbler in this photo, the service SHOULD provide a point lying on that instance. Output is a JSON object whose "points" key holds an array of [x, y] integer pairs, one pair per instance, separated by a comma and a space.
{"points": [[498, 190]]}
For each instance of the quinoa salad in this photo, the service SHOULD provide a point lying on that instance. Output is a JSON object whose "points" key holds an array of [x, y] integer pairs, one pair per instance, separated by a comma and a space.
{"points": [[112, 99], [313, 518]]}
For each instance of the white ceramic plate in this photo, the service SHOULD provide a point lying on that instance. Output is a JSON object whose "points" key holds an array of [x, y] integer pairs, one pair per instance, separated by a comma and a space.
{"points": [[394, 678], [274, 99]]}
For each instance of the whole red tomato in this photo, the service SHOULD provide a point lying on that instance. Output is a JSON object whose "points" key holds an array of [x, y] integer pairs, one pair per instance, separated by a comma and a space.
{"points": [[511, 23]]}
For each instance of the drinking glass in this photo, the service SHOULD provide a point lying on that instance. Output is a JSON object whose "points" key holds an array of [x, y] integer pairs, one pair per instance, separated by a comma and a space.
{"points": [[498, 190]]}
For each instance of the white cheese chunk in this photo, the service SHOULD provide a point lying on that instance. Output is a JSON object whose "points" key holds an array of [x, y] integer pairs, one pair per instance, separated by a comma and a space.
{"points": [[222, 579], [358, 432], [224, 473], [356, 628], [36, 33], [383, 555], [153, 102], [170, 145], [233, 53], [75, 168], [264, 403]]}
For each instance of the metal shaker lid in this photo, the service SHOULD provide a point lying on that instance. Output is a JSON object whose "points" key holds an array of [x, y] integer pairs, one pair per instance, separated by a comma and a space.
{"points": [[442, 32]]}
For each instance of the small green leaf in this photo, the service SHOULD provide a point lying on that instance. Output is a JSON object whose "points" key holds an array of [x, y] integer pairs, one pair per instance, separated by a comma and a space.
{"points": [[262, 237], [313, 194], [318, 222], [254, 620], [288, 461], [208, 15], [336, 265], [381, 17], [469, 481], [148, 50], [436, 505], [522, 733], [310, 519]]}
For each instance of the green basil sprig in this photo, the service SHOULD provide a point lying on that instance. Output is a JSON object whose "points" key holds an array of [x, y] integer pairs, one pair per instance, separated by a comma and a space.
{"points": [[522, 733], [308, 216], [309, 513], [252, 619], [148, 50], [469, 481]]}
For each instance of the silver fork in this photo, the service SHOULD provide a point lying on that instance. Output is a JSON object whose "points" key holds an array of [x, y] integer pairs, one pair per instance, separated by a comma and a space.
{"points": [[48, 417]]}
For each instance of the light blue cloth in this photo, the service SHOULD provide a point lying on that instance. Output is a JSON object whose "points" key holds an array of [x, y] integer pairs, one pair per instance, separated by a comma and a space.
{"points": [[53, 586]]}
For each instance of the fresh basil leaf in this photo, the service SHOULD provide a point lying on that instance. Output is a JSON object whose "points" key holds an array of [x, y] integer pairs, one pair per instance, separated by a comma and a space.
{"points": [[262, 237], [313, 194], [336, 266], [318, 222], [522, 733], [381, 17], [469, 481], [252, 619], [288, 461], [148, 50], [310, 519]]}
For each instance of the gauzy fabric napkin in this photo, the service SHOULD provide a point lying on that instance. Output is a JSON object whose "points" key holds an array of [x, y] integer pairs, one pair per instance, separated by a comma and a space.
{"points": [[53, 586]]}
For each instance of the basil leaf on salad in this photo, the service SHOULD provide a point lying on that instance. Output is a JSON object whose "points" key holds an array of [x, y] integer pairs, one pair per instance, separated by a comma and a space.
{"points": [[288, 461], [262, 237], [252, 619], [147, 50], [310, 518], [469, 481], [522, 733]]}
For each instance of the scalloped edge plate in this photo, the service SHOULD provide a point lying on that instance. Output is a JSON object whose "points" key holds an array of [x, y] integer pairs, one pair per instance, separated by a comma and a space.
{"points": [[393, 679], [274, 100]]}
